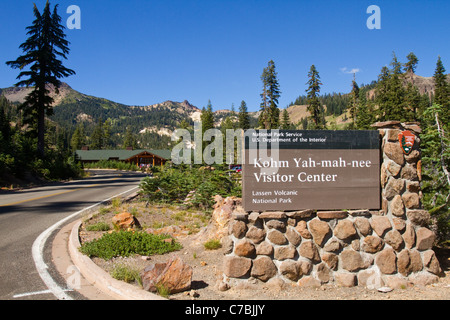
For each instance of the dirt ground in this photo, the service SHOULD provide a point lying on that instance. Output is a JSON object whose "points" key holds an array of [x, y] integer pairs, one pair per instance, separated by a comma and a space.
{"points": [[185, 226]]}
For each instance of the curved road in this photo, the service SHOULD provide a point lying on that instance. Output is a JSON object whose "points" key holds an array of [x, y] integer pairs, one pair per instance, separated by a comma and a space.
{"points": [[26, 214]]}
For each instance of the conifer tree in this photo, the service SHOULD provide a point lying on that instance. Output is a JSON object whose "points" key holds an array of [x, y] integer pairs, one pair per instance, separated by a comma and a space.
{"points": [[45, 44], [442, 90], [78, 138], [285, 121], [410, 66], [314, 106], [354, 101], [270, 114], [244, 119]]}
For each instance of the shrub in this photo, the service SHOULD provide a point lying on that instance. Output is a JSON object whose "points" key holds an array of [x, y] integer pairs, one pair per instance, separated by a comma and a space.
{"points": [[101, 226], [174, 184], [126, 243], [212, 244]]}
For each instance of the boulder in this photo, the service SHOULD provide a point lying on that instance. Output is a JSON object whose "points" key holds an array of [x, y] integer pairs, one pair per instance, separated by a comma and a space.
{"points": [[125, 221], [174, 275]]}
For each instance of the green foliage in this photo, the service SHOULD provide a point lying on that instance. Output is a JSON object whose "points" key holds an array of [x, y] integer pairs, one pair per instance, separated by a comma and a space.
{"points": [[111, 164], [436, 163], [101, 226], [174, 184], [46, 42], [126, 243], [270, 114], [315, 108], [126, 273], [212, 244]]}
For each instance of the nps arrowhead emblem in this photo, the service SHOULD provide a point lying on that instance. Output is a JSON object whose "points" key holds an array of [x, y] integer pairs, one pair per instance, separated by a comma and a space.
{"points": [[406, 139]]}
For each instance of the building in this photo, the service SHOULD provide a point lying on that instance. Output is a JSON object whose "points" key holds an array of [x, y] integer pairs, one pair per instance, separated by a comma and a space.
{"points": [[141, 157]]}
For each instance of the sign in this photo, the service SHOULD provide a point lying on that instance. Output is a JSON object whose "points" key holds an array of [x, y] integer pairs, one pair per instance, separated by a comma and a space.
{"points": [[406, 139], [294, 170]]}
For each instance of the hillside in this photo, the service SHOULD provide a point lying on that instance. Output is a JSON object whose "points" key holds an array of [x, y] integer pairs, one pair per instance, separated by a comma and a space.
{"points": [[155, 123]]}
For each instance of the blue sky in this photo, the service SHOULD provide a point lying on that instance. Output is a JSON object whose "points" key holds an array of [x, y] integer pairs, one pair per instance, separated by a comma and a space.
{"points": [[141, 52]]}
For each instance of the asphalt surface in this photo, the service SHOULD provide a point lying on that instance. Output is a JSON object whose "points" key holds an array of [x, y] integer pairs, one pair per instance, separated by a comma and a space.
{"points": [[26, 214]]}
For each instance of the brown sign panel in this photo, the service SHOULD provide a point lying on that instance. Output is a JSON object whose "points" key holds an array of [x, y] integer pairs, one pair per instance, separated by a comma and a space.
{"points": [[322, 170]]}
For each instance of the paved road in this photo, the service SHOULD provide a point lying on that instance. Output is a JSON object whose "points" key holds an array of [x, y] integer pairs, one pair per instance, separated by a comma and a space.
{"points": [[26, 214]]}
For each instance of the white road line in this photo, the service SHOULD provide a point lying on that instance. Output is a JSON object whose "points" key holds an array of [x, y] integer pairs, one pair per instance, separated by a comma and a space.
{"points": [[38, 251], [27, 294]]}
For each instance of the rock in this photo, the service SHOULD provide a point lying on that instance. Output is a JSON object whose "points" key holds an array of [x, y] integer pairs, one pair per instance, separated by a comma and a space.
{"points": [[431, 262], [244, 248], [238, 229], [351, 260], [393, 187], [393, 167], [409, 172], [397, 207], [309, 250], [394, 152], [276, 224], [320, 230], [303, 229], [302, 214], [423, 279], [418, 217], [425, 239], [331, 260], [411, 200], [345, 279], [386, 261], [372, 244], [276, 237], [323, 273], [333, 245], [263, 268], [363, 225], [284, 252], [308, 282], [399, 224], [332, 214], [174, 275], [256, 234], [290, 269], [409, 261], [409, 236], [273, 215], [394, 239], [380, 224], [344, 230], [236, 267], [125, 221], [264, 248], [293, 237]]}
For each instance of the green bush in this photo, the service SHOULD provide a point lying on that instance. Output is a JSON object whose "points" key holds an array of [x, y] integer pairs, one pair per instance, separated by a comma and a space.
{"points": [[111, 164], [126, 243], [174, 184]]}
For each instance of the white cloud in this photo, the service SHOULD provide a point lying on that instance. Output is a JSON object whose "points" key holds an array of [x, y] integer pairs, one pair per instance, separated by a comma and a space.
{"points": [[352, 71]]}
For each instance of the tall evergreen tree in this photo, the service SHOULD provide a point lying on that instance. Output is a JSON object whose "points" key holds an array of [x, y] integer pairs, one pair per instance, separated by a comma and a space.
{"points": [[78, 139], [45, 44], [285, 121], [314, 106], [244, 119], [410, 66], [270, 114], [354, 101], [442, 90]]}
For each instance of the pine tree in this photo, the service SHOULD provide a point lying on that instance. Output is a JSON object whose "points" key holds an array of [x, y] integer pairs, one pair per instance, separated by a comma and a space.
{"points": [[410, 66], [244, 119], [46, 42], [442, 90], [285, 121], [207, 117], [97, 137], [354, 101], [314, 106], [78, 138], [130, 140], [270, 114]]}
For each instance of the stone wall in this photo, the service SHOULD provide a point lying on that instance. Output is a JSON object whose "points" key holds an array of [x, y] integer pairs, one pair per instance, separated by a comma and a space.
{"points": [[388, 247]]}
